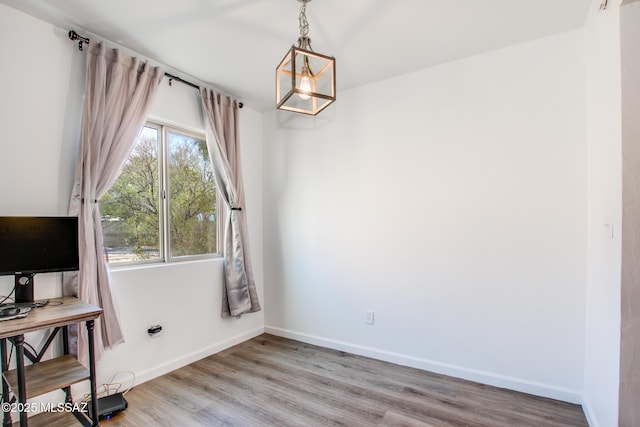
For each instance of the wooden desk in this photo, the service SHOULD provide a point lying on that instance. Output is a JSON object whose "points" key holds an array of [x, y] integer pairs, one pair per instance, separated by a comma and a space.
{"points": [[53, 374]]}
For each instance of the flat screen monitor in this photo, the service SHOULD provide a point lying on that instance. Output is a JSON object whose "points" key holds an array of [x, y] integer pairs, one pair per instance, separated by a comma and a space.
{"points": [[30, 245]]}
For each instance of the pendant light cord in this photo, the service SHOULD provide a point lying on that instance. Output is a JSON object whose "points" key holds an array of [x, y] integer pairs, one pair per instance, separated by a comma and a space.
{"points": [[302, 19], [304, 42]]}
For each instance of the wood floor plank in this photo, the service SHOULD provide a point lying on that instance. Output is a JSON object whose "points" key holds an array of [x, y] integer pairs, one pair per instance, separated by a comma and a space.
{"points": [[273, 381], [393, 419]]}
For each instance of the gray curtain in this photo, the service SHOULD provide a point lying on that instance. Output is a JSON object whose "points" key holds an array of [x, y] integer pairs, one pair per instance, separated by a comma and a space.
{"points": [[221, 121], [118, 92]]}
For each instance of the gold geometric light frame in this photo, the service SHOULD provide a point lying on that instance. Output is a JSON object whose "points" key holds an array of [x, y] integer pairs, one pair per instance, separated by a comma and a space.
{"points": [[305, 80]]}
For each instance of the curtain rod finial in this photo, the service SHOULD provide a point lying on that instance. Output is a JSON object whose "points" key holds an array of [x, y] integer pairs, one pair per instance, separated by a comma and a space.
{"points": [[75, 36]]}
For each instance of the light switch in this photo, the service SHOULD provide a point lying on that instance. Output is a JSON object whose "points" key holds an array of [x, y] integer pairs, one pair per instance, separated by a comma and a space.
{"points": [[608, 228]]}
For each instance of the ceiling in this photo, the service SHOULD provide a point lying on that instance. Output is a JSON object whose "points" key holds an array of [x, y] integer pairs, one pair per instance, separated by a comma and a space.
{"points": [[235, 45]]}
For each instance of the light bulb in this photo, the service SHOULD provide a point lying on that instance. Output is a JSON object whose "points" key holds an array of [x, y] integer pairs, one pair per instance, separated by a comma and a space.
{"points": [[305, 83], [305, 86]]}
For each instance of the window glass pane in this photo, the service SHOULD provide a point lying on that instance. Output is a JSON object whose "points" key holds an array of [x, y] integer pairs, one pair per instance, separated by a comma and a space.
{"points": [[192, 197], [130, 209]]}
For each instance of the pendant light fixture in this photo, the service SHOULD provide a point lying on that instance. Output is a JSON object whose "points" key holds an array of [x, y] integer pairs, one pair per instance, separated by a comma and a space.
{"points": [[305, 80]]}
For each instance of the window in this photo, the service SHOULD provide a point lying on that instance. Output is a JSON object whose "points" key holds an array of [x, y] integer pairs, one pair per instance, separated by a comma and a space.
{"points": [[162, 207]]}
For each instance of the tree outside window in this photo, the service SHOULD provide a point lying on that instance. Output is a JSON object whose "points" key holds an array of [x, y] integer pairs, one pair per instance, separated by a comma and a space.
{"points": [[162, 207]]}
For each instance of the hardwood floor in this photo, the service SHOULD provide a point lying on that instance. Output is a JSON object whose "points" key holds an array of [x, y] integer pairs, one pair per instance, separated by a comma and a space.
{"points": [[272, 381]]}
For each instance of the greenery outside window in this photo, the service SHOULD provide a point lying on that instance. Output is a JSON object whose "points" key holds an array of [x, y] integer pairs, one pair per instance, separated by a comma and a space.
{"points": [[163, 205]]}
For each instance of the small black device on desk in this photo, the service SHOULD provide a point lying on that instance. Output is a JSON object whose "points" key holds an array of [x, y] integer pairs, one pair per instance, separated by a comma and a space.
{"points": [[14, 310]]}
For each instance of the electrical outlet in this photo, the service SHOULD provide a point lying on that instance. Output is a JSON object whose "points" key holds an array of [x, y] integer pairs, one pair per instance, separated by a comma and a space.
{"points": [[370, 317]]}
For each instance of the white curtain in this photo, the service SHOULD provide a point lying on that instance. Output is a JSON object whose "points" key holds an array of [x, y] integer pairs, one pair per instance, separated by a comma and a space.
{"points": [[118, 92], [221, 121]]}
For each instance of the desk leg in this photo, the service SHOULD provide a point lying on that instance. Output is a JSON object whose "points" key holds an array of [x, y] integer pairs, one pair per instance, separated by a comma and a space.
{"points": [[92, 373], [65, 351], [65, 339], [6, 416], [18, 340]]}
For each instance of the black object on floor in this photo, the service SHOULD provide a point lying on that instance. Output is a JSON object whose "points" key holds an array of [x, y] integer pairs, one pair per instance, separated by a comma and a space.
{"points": [[109, 405]]}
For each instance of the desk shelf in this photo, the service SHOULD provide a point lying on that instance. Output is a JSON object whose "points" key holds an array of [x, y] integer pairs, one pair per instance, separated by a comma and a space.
{"points": [[49, 375], [48, 419]]}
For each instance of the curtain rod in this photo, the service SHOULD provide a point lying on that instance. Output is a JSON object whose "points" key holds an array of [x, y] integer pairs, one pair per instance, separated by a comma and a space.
{"points": [[81, 40]]}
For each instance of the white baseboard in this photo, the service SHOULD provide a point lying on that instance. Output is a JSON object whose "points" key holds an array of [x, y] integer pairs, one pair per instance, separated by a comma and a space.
{"points": [[490, 378], [592, 420], [187, 359]]}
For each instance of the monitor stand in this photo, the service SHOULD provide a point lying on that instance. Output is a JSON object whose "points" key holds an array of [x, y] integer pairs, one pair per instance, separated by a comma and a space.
{"points": [[24, 291], [24, 288]]}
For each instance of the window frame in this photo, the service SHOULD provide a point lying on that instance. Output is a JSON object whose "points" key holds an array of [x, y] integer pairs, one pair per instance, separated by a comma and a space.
{"points": [[164, 195]]}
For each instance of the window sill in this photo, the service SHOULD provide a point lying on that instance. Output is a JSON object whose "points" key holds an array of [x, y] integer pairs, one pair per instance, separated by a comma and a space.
{"points": [[155, 265]]}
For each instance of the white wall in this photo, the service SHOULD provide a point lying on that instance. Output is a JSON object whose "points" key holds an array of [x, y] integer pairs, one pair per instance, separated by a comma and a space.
{"points": [[452, 202], [39, 116], [602, 353], [40, 109]]}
